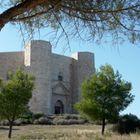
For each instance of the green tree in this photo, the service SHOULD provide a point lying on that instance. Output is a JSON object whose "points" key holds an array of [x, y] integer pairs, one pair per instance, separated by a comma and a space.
{"points": [[87, 19], [14, 97], [104, 95]]}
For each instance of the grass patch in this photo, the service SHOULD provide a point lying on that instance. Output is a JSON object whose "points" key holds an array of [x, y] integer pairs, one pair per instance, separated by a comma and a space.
{"points": [[67, 132]]}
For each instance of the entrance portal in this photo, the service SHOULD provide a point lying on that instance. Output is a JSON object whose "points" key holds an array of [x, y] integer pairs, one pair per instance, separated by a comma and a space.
{"points": [[59, 107]]}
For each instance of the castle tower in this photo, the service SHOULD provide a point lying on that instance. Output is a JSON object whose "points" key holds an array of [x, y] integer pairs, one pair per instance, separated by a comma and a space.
{"points": [[38, 63], [83, 64]]}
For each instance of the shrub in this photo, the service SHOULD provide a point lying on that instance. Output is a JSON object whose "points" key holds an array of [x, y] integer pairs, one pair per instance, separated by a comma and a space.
{"points": [[128, 123], [4, 123], [28, 115], [71, 116], [27, 118], [38, 115], [59, 121], [18, 122], [68, 119], [44, 120]]}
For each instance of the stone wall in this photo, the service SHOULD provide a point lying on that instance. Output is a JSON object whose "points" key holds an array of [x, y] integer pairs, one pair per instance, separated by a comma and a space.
{"points": [[40, 67], [84, 67], [10, 61], [61, 89], [38, 60]]}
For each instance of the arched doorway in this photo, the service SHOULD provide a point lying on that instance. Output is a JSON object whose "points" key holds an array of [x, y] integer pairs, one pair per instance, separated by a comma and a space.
{"points": [[59, 107]]}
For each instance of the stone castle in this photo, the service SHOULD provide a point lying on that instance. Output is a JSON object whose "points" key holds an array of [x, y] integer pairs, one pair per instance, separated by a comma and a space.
{"points": [[58, 78]]}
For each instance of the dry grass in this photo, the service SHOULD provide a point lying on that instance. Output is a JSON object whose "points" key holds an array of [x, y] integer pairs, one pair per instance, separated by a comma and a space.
{"points": [[71, 132]]}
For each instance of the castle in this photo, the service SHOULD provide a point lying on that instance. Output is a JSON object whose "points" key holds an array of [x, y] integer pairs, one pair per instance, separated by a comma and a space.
{"points": [[58, 78]]}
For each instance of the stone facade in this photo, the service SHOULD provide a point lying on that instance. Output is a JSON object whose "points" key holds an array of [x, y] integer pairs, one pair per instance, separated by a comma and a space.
{"points": [[58, 78]]}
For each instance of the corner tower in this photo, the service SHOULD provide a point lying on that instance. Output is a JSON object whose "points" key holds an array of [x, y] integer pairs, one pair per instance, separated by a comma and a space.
{"points": [[37, 60], [84, 67]]}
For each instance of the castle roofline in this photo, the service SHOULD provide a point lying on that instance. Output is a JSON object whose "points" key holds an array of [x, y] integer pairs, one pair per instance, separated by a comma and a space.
{"points": [[11, 52]]}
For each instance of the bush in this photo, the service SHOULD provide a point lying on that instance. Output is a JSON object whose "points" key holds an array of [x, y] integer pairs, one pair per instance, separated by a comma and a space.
{"points": [[18, 122], [66, 122], [38, 115], [128, 123], [27, 118], [5, 123], [39, 118], [59, 121], [71, 116], [44, 120]]}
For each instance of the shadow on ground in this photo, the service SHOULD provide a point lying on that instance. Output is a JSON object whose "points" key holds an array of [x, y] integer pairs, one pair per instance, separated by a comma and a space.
{"points": [[7, 128]]}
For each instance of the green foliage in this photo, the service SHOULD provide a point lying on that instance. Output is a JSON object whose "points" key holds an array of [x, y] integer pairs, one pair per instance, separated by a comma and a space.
{"points": [[15, 95], [127, 124], [68, 119], [27, 117], [87, 19], [104, 95], [37, 115]]}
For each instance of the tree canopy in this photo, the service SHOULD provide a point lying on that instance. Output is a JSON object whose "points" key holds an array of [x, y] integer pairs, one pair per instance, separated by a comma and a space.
{"points": [[87, 19], [14, 96], [104, 95]]}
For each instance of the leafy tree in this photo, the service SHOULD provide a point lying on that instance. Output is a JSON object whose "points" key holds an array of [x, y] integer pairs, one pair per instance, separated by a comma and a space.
{"points": [[14, 97], [104, 95], [87, 19]]}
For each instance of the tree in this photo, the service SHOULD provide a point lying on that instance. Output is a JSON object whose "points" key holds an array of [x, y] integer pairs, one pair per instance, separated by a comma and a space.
{"points": [[14, 97], [104, 95], [87, 19]]}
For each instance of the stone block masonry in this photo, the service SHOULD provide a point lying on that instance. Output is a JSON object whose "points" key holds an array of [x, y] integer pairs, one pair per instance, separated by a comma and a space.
{"points": [[58, 78]]}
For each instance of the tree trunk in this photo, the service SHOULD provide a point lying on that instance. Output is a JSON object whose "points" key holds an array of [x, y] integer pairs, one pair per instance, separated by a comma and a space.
{"points": [[10, 129], [9, 14], [14, 11], [103, 126]]}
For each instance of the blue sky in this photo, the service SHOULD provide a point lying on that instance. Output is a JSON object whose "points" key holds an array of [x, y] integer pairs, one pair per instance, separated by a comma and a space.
{"points": [[124, 57]]}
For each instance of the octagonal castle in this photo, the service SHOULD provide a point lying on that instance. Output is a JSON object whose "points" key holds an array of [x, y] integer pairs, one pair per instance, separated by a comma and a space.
{"points": [[58, 78]]}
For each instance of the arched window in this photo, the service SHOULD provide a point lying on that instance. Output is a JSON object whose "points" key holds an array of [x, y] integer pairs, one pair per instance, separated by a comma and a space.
{"points": [[60, 76], [59, 107]]}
